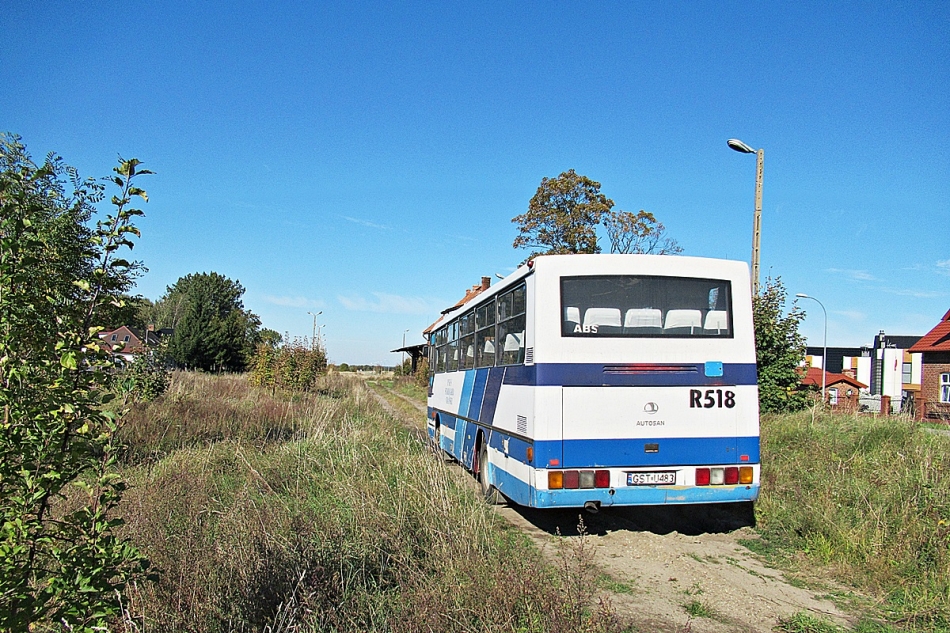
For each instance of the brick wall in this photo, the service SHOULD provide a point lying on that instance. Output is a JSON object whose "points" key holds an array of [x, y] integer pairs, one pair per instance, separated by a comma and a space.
{"points": [[930, 383]]}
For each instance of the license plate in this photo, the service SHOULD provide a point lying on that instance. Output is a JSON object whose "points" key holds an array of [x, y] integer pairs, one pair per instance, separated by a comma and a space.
{"points": [[651, 479]]}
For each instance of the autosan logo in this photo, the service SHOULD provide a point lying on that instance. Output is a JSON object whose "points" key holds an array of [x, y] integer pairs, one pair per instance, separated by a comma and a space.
{"points": [[651, 408]]}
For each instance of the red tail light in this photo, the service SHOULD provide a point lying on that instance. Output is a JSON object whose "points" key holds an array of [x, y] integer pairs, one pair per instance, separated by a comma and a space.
{"points": [[732, 475], [602, 479], [702, 476], [571, 479]]}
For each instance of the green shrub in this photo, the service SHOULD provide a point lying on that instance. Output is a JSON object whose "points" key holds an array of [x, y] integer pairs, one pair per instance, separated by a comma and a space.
{"points": [[144, 379], [291, 367], [62, 567]]}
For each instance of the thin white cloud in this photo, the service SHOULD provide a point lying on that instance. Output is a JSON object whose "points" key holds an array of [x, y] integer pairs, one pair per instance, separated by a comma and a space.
{"points": [[389, 304], [917, 294], [943, 266], [367, 223], [856, 275], [290, 302], [851, 315]]}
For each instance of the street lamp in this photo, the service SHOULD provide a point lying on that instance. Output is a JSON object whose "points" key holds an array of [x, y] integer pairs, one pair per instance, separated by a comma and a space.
{"points": [[824, 358], [313, 335], [404, 347], [739, 146]]}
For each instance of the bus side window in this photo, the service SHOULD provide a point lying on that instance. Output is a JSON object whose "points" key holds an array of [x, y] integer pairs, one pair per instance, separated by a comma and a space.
{"points": [[511, 335], [511, 326]]}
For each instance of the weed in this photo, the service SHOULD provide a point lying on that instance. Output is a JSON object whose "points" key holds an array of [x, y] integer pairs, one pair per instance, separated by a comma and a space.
{"points": [[611, 584], [699, 609], [695, 590], [803, 622]]}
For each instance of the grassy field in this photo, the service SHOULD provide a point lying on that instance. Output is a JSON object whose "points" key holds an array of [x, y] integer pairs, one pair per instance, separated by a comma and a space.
{"points": [[864, 500], [319, 512]]}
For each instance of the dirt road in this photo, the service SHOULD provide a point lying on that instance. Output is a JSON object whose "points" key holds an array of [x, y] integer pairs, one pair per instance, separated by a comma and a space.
{"points": [[679, 569]]}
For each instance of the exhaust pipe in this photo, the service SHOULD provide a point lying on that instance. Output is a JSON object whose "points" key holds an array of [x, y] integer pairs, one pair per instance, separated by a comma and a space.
{"points": [[593, 507]]}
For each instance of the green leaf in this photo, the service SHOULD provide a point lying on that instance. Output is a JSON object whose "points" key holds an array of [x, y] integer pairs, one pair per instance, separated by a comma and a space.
{"points": [[68, 360]]}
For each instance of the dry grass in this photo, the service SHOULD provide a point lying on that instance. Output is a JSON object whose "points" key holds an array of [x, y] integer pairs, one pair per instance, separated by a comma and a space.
{"points": [[341, 521]]}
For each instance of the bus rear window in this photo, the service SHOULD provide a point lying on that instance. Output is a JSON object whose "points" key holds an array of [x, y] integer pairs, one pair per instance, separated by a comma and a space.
{"points": [[645, 306]]}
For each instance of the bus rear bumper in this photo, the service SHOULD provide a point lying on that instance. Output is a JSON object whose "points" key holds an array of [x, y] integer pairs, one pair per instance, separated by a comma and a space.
{"points": [[643, 495], [523, 494]]}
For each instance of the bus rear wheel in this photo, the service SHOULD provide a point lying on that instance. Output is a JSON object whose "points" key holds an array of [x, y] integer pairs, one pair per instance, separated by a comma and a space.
{"points": [[489, 492]]}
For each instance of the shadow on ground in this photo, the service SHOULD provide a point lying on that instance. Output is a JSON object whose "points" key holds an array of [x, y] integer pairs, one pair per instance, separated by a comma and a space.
{"points": [[690, 520]]}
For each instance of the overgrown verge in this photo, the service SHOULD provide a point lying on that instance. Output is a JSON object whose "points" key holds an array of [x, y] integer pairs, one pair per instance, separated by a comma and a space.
{"points": [[867, 497], [346, 525]]}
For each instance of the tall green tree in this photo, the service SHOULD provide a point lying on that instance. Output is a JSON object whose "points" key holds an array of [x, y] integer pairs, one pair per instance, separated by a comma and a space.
{"points": [[562, 216], [779, 349], [213, 331], [638, 233], [60, 270]]}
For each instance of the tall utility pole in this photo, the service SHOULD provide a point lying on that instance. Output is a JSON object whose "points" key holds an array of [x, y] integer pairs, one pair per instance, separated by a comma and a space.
{"points": [[314, 344], [739, 146]]}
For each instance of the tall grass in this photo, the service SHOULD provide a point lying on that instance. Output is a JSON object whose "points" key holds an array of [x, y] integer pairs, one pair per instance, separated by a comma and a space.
{"points": [[867, 496], [339, 522], [201, 409]]}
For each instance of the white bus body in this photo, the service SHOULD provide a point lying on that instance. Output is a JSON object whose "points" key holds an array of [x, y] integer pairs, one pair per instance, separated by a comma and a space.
{"points": [[604, 380]]}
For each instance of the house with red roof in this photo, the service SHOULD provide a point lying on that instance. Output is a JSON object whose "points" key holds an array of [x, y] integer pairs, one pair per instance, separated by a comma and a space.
{"points": [[841, 390], [934, 346], [128, 342], [470, 293]]}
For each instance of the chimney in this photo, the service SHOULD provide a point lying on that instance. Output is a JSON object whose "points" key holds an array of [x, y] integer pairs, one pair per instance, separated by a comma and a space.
{"points": [[486, 282]]}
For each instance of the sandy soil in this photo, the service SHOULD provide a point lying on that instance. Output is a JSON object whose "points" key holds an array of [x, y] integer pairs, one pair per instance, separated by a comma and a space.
{"points": [[665, 558]]}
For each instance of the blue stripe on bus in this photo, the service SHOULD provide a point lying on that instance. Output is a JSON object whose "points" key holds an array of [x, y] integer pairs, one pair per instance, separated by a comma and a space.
{"points": [[490, 399], [465, 397], [674, 451], [594, 375], [478, 393]]}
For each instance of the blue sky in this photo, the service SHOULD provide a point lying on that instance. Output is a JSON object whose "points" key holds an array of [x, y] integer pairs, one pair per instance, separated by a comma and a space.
{"points": [[365, 159]]}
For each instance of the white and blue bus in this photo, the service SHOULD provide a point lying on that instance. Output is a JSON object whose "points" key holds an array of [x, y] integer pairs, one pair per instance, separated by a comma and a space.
{"points": [[602, 380]]}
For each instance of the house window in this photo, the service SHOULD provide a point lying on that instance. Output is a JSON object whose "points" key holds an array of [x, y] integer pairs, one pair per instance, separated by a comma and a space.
{"points": [[907, 373], [126, 339], [833, 396], [944, 387], [114, 337]]}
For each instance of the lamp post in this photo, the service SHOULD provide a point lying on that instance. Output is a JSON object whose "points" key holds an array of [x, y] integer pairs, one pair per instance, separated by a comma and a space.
{"points": [[313, 335], [824, 358], [404, 347], [739, 146]]}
